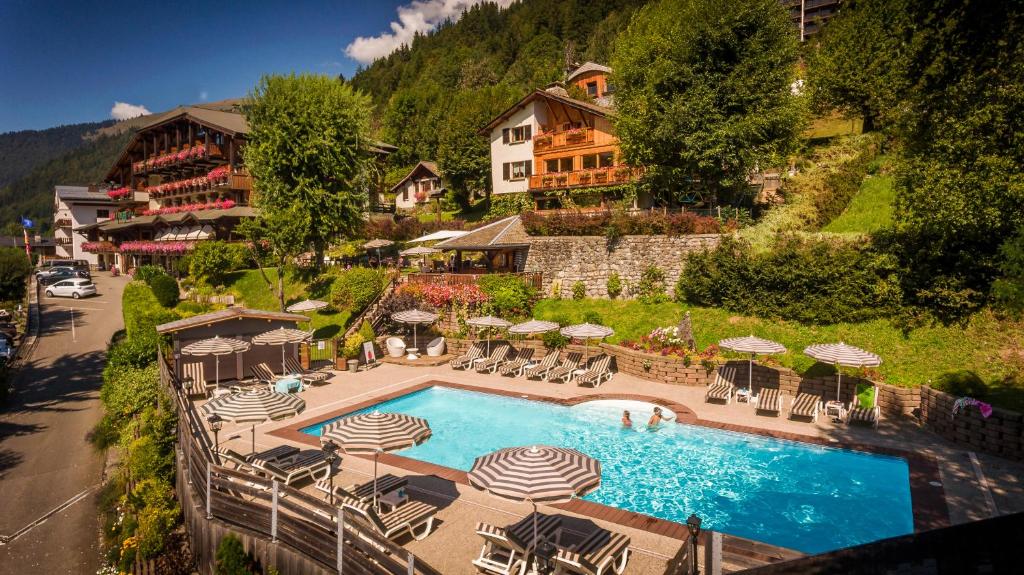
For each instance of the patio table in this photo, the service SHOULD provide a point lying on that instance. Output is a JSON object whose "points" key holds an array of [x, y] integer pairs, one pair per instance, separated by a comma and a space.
{"points": [[287, 384]]}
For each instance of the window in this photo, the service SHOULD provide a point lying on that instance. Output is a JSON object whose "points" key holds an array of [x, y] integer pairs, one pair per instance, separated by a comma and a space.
{"points": [[558, 165], [516, 170], [102, 214], [516, 135], [602, 160], [592, 89]]}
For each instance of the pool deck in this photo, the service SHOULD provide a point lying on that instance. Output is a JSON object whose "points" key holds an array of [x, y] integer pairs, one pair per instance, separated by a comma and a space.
{"points": [[968, 489]]}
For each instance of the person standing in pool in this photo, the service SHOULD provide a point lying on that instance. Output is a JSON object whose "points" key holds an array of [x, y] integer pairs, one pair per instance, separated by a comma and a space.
{"points": [[657, 418], [626, 421]]}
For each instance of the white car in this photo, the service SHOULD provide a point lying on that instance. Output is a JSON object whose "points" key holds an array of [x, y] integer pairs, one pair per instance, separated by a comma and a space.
{"points": [[75, 288]]}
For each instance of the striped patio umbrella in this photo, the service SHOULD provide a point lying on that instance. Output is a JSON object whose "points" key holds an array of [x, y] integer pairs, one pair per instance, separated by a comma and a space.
{"points": [[306, 305], [754, 346], [414, 317], [375, 433], [377, 245], [216, 346], [533, 326], [254, 407], [282, 336], [419, 251], [488, 321], [536, 474], [587, 332], [841, 354]]}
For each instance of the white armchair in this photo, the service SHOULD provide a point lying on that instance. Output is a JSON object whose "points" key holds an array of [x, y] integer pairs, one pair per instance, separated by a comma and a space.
{"points": [[396, 347], [436, 347]]}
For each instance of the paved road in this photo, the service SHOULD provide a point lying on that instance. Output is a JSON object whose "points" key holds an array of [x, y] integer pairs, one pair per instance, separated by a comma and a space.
{"points": [[45, 458]]}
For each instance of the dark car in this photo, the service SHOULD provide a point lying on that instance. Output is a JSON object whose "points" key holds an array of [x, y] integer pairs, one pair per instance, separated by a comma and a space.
{"points": [[59, 274]]}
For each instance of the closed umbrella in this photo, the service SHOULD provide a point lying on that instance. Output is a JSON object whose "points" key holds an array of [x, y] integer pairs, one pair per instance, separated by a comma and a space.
{"points": [[414, 317], [306, 305], [586, 332], [216, 346], [254, 407], [754, 346], [841, 354], [375, 433], [282, 336], [536, 474], [486, 322]]}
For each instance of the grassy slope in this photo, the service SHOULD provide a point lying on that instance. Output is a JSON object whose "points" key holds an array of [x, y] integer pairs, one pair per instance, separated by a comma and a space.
{"points": [[870, 210], [249, 287], [922, 355]]}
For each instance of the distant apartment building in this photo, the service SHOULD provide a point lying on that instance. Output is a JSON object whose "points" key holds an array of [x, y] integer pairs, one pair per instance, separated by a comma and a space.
{"points": [[75, 207], [810, 15]]}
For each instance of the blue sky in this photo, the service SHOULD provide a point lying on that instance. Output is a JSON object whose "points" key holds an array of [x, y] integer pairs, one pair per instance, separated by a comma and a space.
{"points": [[63, 62]]}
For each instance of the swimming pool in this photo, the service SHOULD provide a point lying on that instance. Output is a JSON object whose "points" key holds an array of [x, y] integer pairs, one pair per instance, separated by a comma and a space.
{"points": [[801, 496]]}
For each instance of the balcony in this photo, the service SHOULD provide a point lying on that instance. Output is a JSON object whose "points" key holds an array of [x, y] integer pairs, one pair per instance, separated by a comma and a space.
{"points": [[169, 162], [557, 140], [98, 247], [585, 178], [62, 241], [63, 223]]}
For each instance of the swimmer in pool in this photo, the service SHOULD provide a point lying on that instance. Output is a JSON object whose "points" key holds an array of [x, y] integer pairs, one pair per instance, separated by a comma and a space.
{"points": [[657, 418], [626, 421]]}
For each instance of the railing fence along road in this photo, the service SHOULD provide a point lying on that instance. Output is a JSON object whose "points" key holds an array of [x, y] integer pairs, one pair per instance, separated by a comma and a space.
{"points": [[274, 513]]}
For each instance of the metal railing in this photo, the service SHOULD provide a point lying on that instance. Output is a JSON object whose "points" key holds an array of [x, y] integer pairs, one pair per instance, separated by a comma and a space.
{"points": [[533, 279]]}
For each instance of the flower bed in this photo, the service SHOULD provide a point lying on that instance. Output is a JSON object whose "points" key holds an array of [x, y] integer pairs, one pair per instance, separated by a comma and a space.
{"points": [[157, 248], [98, 247], [118, 193], [216, 177], [440, 296], [217, 205], [666, 342], [197, 151]]}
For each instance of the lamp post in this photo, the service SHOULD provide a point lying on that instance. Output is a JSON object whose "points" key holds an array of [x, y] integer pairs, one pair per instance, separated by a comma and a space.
{"points": [[330, 449], [693, 524], [216, 422]]}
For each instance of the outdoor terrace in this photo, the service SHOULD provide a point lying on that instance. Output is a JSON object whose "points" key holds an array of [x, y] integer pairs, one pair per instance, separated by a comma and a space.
{"points": [[563, 139], [585, 178]]}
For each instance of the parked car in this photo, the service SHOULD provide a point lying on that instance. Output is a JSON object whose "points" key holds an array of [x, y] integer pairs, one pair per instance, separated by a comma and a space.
{"points": [[77, 264], [6, 351], [75, 288], [58, 274]]}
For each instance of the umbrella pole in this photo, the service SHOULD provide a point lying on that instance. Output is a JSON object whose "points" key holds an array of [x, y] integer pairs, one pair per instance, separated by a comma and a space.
{"points": [[284, 371], [376, 454], [839, 381], [750, 374], [216, 362], [254, 439]]}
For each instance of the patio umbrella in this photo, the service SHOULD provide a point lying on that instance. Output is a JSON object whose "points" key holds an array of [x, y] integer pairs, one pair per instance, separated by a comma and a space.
{"points": [[419, 251], [488, 321], [254, 407], [536, 474], [377, 245], [282, 336], [841, 354], [414, 317], [216, 346], [306, 305], [375, 433], [533, 326], [754, 346], [587, 331]]}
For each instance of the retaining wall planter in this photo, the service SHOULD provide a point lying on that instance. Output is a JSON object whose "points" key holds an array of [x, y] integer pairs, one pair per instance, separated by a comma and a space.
{"points": [[1000, 434]]}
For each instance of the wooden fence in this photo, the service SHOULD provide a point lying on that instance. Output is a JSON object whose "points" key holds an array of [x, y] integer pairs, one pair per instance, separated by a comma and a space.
{"points": [[285, 525], [534, 279]]}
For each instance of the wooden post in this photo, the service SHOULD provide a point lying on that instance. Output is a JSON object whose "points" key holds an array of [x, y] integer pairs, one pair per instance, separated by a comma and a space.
{"points": [[273, 514], [412, 564], [208, 514], [304, 352], [341, 538], [713, 553]]}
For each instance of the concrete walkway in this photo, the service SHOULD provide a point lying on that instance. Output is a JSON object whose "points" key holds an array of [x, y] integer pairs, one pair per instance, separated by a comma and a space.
{"points": [[49, 471]]}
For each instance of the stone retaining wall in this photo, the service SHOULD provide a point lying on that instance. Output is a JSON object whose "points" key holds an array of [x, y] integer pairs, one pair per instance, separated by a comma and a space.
{"points": [[1000, 434], [592, 259]]}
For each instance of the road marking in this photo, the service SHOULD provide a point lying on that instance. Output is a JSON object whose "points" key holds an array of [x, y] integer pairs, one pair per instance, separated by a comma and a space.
{"points": [[5, 539], [82, 307], [983, 483]]}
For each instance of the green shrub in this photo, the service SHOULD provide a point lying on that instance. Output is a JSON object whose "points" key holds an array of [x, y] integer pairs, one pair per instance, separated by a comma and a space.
{"points": [[142, 312], [591, 316], [356, 288], [14, 270], [136, 352], [1009, 289], [509, 295], [579, 290], [366, 330], [651, 287], [157, 514], [556, 289], [128, 390], [165, 289], [210, 262], [508, 205], [353, 345], [554, 340], [614, 285], [963, 383], [147, 272], [232, 558]]}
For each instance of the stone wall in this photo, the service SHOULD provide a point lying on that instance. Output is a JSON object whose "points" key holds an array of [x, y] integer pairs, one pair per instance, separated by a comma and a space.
{"points": [[591, 259], [1000, 434]]}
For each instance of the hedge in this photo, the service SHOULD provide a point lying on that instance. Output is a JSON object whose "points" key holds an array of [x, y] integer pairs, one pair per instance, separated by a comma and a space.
{"points": [[356, 288], [618, 223]]}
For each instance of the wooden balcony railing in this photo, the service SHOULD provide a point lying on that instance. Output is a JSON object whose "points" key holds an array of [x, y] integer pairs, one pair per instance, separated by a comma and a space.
{"points": [[64, 223], [563, 139], [198, 154], [584, 178]]}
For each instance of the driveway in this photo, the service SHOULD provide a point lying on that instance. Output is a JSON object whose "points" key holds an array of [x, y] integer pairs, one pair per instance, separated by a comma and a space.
{"points": [[49, 471]]}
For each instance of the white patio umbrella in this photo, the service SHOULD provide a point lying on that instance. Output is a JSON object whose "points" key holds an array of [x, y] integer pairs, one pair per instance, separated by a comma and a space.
{"points": [[586, 332], [306, 305], [841, 354], [486, 322], [377, 245], [754, 346], [533, 326], [282, 336], [255, 406], [419, 251], [216, 346], [439, 235], [414, 317]]}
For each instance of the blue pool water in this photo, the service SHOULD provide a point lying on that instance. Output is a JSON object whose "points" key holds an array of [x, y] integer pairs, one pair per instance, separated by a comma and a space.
{"points": [[795, 495]]}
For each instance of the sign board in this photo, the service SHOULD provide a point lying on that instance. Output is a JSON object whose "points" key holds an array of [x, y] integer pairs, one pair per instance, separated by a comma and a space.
{"points": [[369, 355]]}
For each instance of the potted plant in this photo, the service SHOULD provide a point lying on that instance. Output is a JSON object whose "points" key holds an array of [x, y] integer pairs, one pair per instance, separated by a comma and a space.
{"points": [[353, 344]]}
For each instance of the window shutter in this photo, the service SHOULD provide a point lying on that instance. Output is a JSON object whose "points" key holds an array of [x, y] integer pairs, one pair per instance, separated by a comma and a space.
{"points": [[529, 132], [504, 170], [504, 137], [529, 167]]}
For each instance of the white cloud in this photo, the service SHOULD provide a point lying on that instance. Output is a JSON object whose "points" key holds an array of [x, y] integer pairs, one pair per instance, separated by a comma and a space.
{"points": [[417, 16], [123, 111]]}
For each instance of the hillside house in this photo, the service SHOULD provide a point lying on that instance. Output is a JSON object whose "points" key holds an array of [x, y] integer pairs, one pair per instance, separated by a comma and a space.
{"points": [[422, 184]]}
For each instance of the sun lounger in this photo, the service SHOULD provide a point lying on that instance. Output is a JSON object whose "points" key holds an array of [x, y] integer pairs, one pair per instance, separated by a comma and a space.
{"points": [[722, 388], [465, 360], [262, 372], [404, 518], [515, 366], [570, 364], [541, 369], [597, 554], [363, 492], [598, 372], [306, 375], [310, 463], [805, 405], [193, 379], [498, 356], [768, 399], [506, 549], [855, 412]]}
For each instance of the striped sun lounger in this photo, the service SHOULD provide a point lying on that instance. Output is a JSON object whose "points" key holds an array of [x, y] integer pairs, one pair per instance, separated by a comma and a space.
{"points": [[363, 492], [597, 554], [858, 414], [465, 360], [505, 549], [768, 399], [598, 372], [805, 405], [541, 369], [722, 388], [497, 358], [306, 375], [516, 366], [570, 364], [402, 519]]}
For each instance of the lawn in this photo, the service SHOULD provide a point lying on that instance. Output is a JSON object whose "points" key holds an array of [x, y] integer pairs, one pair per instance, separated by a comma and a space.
{"points": [[251, 290], [832, 126], [870, 210], [986, 346]]}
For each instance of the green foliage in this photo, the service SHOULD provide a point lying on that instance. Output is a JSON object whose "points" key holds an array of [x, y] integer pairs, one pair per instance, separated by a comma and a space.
{"points": [[591, 316], [14, 270], [128, 390], [962, 383], [353, 345], [553, 340], [356, 288], [651, 287], [366, 330], [210, 262], [507, 205], [1009, 289], [232, 558], [703, 91], [807, 281], [308, 153], [870, 210], [165, 289], [142, 312], [614, 285], [24, 150], [509, 296], [276, 235], [579, 290], [158, 515], [147, 272], [616, 223], [136, 352]]}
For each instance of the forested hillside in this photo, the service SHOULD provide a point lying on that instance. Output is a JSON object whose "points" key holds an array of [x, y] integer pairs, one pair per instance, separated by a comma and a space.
{"points": [[433, 95], [21, 152]]}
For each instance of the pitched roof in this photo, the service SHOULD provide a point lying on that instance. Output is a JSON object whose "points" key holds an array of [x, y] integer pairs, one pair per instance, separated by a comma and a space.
{"points": [[588, 67], [81, 193], [225, 315], [557, 94], [430, 167], [227, 121], [199, 216], [504, 233]]}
